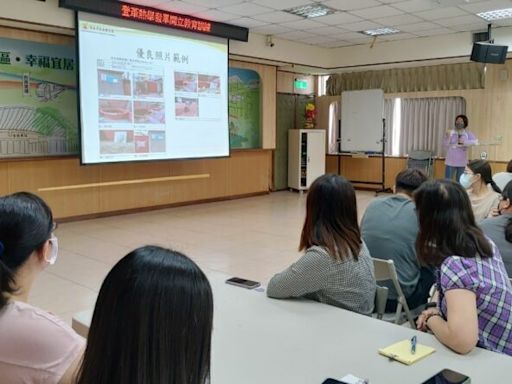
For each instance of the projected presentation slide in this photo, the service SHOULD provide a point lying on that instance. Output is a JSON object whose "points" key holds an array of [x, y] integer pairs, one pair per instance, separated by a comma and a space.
{"points": [[150, 93]]}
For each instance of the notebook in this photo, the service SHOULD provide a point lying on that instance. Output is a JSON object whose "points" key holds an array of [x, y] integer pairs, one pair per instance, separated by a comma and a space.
{"points": [[401, 352]]}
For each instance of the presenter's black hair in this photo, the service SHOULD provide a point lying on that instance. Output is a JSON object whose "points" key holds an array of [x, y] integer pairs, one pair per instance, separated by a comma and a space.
{"points": [[152, 322], [464, 119]]}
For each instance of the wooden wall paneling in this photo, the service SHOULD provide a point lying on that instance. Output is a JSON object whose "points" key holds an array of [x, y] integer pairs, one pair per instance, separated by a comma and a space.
{"points": [[4, 178], [190, 190], [268, 75], [241, 176], [114, 198], [41, 37], [30, 175]]}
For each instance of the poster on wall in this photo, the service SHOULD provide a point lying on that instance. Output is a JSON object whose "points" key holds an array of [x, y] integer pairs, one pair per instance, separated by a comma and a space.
{"points": [[38, 99], [244, 108]]}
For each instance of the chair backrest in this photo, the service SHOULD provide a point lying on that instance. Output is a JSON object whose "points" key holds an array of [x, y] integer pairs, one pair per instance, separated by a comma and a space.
{"points": [[385, 270], [420, 155]]}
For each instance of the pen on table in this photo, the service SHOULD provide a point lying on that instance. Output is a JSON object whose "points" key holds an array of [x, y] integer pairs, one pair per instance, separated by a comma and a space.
{"points": [[413, 345]]}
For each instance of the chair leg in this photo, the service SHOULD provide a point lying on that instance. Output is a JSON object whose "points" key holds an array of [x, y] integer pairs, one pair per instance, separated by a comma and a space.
{"points": [[398, 312]]}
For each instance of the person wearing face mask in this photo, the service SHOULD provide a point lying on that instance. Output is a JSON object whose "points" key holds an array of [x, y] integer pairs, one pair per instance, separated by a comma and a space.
{"points": [[457, 142], [482, 190], [35, 346], [499, 228]]}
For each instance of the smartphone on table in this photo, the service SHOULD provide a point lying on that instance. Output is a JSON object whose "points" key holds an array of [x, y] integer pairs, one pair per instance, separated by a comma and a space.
{"points": [[244, 283], [447, 376]]}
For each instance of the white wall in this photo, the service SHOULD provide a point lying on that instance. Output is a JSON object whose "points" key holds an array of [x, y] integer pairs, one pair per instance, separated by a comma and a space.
{"points": [[47, 13]]}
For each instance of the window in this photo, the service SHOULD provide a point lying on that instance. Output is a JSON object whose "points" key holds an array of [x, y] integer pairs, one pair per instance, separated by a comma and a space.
{"points": [[322, 84]]}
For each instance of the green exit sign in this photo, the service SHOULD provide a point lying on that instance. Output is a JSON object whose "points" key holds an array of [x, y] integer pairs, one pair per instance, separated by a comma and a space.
{"points": [[300, 84]]}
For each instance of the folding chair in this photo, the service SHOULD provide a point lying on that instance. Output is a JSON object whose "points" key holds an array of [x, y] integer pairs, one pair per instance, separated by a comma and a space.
{"points": [[422, 160], [385, 270], [381, 298]]}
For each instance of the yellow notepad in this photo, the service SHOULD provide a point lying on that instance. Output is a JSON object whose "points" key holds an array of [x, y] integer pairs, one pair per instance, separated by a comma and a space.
{"points": [[401, 352]]}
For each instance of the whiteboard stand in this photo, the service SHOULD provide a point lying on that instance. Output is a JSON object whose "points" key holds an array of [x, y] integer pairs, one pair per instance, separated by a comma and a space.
{"points": [[382, 181]]}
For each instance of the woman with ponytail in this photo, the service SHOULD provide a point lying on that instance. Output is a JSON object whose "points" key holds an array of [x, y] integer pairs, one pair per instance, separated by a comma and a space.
{"points": [[35, 346], [482, 190], [499, 227]]}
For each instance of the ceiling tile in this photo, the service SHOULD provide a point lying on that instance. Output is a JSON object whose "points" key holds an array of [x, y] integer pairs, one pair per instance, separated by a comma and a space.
{"points": [[326, 31], [282, 4], [433, 32], [335, 44], [502, 23], [318, 39], [277, 17], [468, 28], [441, 13], [362, 26], [461, 20], [303, 24], [271, 29], [392, 21], [148, 3], [338, 19], [425, 26], [349, 36], [390, 1], [215, 15], [294, 35], [397, 36], [246, 9], [348, 5], [214, 3], [483, 6], [372, 13], [361, 40], [247, 22], [181, 7], [416, 5]]}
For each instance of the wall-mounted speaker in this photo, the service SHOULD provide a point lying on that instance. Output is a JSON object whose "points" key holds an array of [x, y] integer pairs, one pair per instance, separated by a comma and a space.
{"points": [[489, 53]]}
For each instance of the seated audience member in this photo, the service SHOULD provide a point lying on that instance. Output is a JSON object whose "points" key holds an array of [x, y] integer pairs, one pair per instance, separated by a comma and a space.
{"points": [[503, 178], [35, 346], [474, 306], [482, 190], [499, 228], [336, 267], [389, 228], [152, 322]]}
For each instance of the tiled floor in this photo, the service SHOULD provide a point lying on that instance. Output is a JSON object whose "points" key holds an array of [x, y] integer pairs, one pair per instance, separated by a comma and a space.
{"points": [[253, 238]]}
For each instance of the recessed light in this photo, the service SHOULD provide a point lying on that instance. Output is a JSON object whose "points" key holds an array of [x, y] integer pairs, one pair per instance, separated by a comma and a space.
{"points": [[497, 14], [311, 10], [380, 31]]}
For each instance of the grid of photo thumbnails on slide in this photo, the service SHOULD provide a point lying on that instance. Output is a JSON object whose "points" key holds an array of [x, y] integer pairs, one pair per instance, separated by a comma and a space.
{"points": [[132, 107]]}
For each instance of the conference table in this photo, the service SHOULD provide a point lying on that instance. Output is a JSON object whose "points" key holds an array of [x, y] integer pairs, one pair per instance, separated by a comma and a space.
{"points": [[259, 340]]}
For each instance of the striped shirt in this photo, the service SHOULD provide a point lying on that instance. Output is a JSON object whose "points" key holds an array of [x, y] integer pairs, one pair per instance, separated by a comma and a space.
{"points": [[488, 279], [347, 284]]}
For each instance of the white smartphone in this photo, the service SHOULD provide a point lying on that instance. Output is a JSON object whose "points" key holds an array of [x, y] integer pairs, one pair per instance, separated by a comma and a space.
{"points": [[244, 283]]}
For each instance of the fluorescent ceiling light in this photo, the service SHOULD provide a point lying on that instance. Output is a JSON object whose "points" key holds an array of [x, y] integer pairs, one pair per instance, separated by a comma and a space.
{"points": [[380, 31], [311, 10], [498, 14]]}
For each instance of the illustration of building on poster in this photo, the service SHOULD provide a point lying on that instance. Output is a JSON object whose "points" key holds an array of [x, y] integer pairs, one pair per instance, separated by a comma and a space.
{"points": [[38, 100]]}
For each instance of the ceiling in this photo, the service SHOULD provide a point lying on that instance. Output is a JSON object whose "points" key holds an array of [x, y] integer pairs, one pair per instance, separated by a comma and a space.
{"points": [[414, 18]]}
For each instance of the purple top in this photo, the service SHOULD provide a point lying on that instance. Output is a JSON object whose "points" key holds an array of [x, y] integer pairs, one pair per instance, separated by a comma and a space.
{"points": [[457, 156], [488, 279]]}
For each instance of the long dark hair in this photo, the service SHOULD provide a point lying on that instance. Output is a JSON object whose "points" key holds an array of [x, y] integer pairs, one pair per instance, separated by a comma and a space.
{"points": [[331, 217], [507, 195], [152, 322], [447, 224], [483, 168], [26, 224]]}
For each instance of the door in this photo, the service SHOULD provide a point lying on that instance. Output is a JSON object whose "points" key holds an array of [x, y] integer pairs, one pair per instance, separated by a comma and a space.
{"points": [[316, 156]]}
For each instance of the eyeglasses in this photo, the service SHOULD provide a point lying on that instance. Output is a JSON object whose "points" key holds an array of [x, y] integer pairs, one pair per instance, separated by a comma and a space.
{"points": [[469, 173], [55, 225]]}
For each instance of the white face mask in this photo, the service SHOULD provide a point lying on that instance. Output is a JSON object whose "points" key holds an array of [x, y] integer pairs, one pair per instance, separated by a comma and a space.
{"points": [[466, 180], [54, 251]]}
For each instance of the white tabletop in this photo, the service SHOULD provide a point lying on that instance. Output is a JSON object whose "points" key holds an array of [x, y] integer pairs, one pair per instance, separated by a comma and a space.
{"points": [[259, 340]]}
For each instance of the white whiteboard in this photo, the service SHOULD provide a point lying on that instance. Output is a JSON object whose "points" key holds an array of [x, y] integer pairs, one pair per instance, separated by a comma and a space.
{"points": [[361, 120]]}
